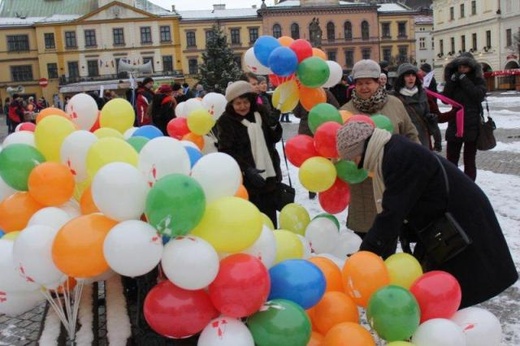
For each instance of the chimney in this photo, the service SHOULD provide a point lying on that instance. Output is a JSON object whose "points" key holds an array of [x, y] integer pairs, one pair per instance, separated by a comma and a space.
{"points": [[217, 7], [173, 8]]}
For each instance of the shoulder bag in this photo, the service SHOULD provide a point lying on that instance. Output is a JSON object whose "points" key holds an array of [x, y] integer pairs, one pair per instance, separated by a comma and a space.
{"points": [[486, 138], [285, 193]]}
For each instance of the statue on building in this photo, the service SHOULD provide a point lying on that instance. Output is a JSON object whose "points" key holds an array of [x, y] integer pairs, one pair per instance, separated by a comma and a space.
{"points": [[315, 32]]}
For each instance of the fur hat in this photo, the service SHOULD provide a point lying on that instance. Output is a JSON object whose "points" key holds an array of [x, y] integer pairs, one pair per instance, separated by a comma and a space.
{"points": [[237, 89], [351, 137], [366, 69], [406, 68]]}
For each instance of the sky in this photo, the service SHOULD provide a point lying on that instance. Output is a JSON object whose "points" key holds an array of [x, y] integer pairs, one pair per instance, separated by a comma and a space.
{"points": [[183, 5]]}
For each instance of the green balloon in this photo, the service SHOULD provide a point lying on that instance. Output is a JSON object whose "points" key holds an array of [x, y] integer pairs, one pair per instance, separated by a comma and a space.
{"points": [[383, 122], [321, 113], [394, 313], [280, 323], [349, 172], [330, 217], [313, 72], [175, 204], [16, 163], [137, 142]]}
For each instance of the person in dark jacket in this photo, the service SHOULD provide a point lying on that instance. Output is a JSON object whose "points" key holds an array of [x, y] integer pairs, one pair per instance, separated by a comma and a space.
{"points": [[465, 84], [243, 129], [340, 91], [432, 85], [410, 185], [162, 108]]}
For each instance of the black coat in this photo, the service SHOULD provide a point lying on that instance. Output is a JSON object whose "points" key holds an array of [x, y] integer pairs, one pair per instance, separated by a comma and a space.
{"points": [[415, 190]]}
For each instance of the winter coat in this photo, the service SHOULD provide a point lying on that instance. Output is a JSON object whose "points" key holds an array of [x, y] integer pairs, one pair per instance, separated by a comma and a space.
{"points": [[362, 208], [419, 112], [143, 99], [162, 110], [416, 191], [469, 92], [16, 112], [303, 114]]}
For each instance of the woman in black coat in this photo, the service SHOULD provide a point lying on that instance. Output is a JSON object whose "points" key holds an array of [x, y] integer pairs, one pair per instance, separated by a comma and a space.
{"points": [[409, 184]]}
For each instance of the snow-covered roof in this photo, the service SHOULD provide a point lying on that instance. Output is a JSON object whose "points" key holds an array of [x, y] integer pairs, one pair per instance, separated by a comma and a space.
{"points": [[392, 8], [217, 14]]}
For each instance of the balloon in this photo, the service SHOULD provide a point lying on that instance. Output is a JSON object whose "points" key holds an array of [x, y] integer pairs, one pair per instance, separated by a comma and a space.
{"points": [[349, 172], [177, 313], [364, 273], [300, 148], [16, 210], [353, 332], [138, 142], [16, 163], [276, 80], [83, 110], [347, 243], [286, 96], [107, 150], [302, 48], [15, 303], [403, 269], [19, 137], [361, 118], [51, 183], [322, 233], [306, 246], [5, 190], [323, 113], [399, 343], [73, 152], [175, 205], [117, 114], [190, 262], [50, 134], [335, 307], [214, 103], [280, 322], [319, 53], [345, 115], [191, 105], [336, 198], [192, 137], [50, 216], [11, 279], [230, 224], [288, 245], [317, 174], [178, 127], [383, 122], [439, 331], [242, 193], [336, 72], [263, 47], [200, 121], [50, 111], [310, 97], [313, 72], [331, 271], [394, 313], [295, 218], [253, 64], [225, 331], [480, 326], [285, 41], [106, 132], [316, 339], [241, 286], [438, 293], [147, 131], [86, 202], [267, 221], [264, 248], [330, 217], [283, 61], [325, 139]]}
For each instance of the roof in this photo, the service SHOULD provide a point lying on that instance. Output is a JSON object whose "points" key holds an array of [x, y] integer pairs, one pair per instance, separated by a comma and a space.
{"points": [[392, 8], [218, 14]]}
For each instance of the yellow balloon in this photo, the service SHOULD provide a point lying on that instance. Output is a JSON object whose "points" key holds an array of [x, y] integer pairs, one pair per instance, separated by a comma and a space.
{"points": [[400, 343], [288, 245], [267, 222], [11, 235], [107, 150], [286, 96], [200, 121], [403, 269], [117, 114], [50, 134], [80, 187], [104, 132], [230, 224], [317, 174], [295, 218]]}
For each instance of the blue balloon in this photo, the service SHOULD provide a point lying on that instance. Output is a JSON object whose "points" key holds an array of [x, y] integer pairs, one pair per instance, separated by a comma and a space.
{"points": [[297, 280], [1, 233], [283, 61], [194, 154], [148, 131], [263, 47]]}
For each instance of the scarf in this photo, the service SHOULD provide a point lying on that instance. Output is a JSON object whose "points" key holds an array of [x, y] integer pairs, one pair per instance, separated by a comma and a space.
{"points": [[373, 163], [409, 92], [259, 147], [459, 120], [371, 105]]}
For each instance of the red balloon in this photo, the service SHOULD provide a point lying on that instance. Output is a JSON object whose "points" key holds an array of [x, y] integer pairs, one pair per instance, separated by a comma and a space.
{"points": [[302, 48], [176, 313], [276, 80], [325, 139], [241, 287], [26, 126], [178, 128], [336, 198], [300, 148], [362, 118], [96, 125], [438, 294]]}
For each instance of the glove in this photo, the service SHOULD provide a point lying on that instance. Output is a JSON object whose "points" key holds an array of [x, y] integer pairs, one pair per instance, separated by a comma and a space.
{"points": [[455, 77], [253, 176], [462, 76]]}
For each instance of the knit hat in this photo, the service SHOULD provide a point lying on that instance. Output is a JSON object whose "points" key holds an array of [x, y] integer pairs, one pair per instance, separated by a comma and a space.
{"points": [[237, 89], [426, 67], [165, 89], [351, 137], [406, 68], [366, 69]]}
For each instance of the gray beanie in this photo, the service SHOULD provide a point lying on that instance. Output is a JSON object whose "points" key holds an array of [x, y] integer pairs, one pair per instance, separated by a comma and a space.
{"points": [[366, 69], [237, 89], [351, 137], [406, 68]]}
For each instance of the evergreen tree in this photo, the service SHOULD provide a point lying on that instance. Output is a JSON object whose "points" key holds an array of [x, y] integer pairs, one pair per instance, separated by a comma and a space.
{"points": [[218, 66]]}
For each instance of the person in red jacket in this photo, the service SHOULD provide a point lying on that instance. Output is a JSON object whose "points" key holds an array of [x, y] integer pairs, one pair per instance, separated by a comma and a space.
{"points": [[16, 112], [143, 99]]}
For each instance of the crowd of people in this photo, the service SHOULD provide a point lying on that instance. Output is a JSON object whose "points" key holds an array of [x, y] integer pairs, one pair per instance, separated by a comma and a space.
{"points": [[18, 110]]}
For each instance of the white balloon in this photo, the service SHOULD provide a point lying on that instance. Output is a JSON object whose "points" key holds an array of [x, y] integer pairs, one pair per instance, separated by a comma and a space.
{"points": [[10, 277], [71, 207], [215, 104], [225, 331], [119, 191], [73, 152], [190, 262], [187, 143], [19, 137], [192, 105], [323, 234], [307, 249], [161, 156], [210, 144], [179, 110], [336, 72], [439, 331], [83, 110], [128, 133], [253, 64], [218, 174], [481, 327], [5, 190], [133, 248], [16, 303], [348, 243], [264, 248], [50, 216]]}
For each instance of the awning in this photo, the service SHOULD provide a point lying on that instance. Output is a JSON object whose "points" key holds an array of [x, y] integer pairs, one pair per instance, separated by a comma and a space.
{"points": [[84, 87], [503, 73]]}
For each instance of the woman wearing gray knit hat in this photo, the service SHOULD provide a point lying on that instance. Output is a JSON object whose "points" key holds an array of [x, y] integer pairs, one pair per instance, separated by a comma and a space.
{"points": [[415, 185]]}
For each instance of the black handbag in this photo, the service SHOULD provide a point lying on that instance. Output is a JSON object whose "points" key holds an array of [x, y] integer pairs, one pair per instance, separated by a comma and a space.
{"points": [[486, 138], [443, 238], [285, 193]]}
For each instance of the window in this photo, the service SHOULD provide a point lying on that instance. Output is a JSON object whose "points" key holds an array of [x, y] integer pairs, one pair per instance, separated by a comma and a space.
{"points": [[331, 32], [347, 28], [165, 33], [473, 8], [365, 53], [401, 30], [235, 36], [474, 41], [422, 43], [463, 43], [349, 58], [365, 32], [331, 55], [21, 73], [277, 31], [441, 46], [73, 67], [452, 45], [385, 30], [403, 54], [119, 36], [70, 39], [92, 68], [462, 15], [167, 63], [191, 41], [509, 38], [90, 38], [193, 66], [387, 54], [452, 13], [209, 36], [146, 35], [52, 70], [50, 43], [253, 35], [488, 38], [17, 43], [295, 31]]}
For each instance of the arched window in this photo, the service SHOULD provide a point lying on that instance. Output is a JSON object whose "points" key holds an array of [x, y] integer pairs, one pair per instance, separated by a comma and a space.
{"points": [[365, 31], [277, 31], [295, 31], [331, 32], [347, 28]]}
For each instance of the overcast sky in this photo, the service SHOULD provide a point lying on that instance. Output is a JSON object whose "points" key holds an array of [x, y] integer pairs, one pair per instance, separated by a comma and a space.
{"points": [[184, 5]]}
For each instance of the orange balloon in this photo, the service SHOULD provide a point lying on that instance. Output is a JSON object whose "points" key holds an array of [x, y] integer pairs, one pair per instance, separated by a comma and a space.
{"points": [[78, 246], [348, 333], [242, 192], [364, 273], [67, 286], [345, 115], [316, 339], [331, 272], [51, 183], [319, 53], [198, 140], [16, 210], [86, 202], [332, 309], [310, 97], [50, 111], [285, 40]]}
